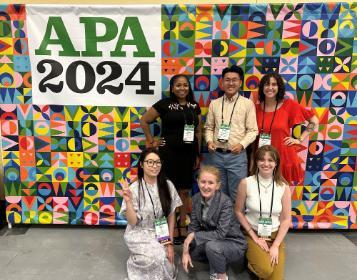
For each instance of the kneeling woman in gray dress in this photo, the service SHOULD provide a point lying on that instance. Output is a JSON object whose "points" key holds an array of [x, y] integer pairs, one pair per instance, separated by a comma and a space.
{"points": [[214, 231], [149, 205]]}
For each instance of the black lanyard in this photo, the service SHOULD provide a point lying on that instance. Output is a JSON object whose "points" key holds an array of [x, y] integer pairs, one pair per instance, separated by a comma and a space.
{"points": [[260, 201], [230, 120], [153, 207], [184, 115], [271, 124]]}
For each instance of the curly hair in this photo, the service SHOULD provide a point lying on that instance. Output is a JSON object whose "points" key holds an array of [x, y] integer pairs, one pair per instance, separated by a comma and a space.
{"points": [[281, 86]]}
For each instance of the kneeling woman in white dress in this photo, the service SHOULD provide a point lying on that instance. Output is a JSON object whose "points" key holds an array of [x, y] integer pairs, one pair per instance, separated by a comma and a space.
{"points": [[149, 205]]}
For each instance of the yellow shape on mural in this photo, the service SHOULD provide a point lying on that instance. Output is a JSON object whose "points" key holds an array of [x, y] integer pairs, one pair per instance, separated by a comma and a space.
{"points": [[105, 129], [322, 211], [75, 159], [73, 114], [202, 34], [15, 216], [7, 46], [11, 156], [240, 52], [341, 221], [121, 115], [91, 196], [45, 217], [30, 217], [10, 81]]}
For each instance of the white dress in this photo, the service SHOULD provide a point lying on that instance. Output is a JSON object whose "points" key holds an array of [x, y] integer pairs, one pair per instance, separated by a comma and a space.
{"points": [[147, 260]]}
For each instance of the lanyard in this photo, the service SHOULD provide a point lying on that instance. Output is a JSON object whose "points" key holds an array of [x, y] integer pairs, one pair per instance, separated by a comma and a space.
{"points": [[260, 201], [153, 207], [230, 120], [184, 115], [271, 124]]}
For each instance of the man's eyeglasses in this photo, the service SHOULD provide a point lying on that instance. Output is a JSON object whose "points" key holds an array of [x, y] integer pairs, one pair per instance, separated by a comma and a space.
{"points": [[229, 81], [152, 163]]}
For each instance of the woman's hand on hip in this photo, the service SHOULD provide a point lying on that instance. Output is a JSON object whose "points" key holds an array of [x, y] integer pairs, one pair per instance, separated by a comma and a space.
{"points": [[289, 141], [158, 142]]}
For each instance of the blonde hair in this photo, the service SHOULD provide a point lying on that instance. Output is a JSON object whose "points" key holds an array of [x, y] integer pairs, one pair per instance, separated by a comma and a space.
{"points": [[211, 170], [274, 154]]}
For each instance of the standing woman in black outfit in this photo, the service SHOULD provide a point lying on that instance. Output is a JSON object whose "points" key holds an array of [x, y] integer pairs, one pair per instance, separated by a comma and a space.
{"points": [[180, 141]]}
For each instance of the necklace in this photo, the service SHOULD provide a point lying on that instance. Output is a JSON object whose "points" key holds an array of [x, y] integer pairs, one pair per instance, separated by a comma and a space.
{"points": [[266, 186]]}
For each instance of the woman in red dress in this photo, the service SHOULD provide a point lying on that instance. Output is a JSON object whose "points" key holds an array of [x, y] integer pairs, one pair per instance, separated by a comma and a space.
{"points": [[276, 116]]}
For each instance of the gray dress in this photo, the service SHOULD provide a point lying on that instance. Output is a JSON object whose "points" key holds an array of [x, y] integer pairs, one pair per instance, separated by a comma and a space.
{"points": [[147, 260]]}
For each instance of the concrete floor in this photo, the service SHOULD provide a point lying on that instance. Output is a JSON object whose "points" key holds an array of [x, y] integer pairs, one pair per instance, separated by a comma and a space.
{"points": [[83, 253]]}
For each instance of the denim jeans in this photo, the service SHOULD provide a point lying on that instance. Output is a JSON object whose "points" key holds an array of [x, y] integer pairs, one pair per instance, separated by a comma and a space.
{"points": [[233, 168]]}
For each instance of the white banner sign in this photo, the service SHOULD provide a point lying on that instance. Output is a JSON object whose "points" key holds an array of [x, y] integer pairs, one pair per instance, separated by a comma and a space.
{"points": [[95, 55]]}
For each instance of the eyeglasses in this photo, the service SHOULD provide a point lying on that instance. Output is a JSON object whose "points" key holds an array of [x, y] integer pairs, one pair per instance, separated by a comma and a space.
{"points": [[152, 163], [229, 81]]}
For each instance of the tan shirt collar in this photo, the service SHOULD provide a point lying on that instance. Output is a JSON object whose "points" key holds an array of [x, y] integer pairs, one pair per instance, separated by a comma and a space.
{"points": [[231, 99]]}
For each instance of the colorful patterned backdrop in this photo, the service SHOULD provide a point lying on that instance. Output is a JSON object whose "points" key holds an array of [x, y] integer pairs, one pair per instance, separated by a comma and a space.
{"points": [[66, 164]]}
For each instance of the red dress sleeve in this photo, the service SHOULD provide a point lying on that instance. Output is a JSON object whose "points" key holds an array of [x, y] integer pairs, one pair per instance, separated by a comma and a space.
{"points": [[297, 113]]}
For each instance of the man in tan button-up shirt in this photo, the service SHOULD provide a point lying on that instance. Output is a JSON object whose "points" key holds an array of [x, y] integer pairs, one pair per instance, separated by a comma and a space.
{"points": [[239, 129]]}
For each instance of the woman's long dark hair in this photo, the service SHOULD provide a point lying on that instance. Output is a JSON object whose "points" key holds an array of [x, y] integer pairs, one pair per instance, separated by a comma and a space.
{"points": [[190, 96], [266, 79], [163, 187]]}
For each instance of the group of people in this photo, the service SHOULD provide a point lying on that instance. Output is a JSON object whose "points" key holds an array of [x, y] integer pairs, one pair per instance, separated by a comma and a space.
{"points": [[232, 215]]}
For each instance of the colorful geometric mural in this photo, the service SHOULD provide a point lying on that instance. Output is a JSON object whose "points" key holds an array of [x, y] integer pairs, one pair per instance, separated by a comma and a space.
{"points": [[66, 164], [314, 48]]}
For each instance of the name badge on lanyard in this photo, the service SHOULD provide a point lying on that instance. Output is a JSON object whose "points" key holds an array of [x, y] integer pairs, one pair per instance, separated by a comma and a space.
{"points": [[265, 228], [265, 224], [160, 224], [225, 129], [188, 133], [264, 139], [223, 133], [162, 230]]}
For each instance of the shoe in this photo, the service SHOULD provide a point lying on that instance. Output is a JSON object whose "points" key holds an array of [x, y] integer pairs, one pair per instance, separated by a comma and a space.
{"points": [[183, 231], [213, 276], [179, 240]]}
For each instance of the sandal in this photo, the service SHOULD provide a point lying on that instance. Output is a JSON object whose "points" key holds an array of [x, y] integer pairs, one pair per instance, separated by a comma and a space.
{"points": [[180, 238]]}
